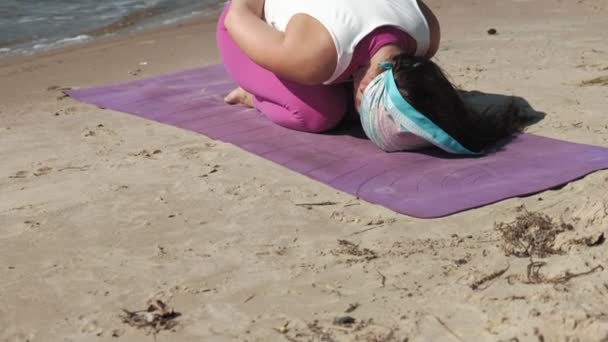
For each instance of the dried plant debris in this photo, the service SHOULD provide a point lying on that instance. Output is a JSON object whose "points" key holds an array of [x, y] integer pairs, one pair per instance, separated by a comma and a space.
{"points": [[59, 88], [481, 283], [283, 329], [340, 329], [351, 249], [591, 241], [346, 321], [145, 153], [158, 317], [352, 307], [320, 333], [135, 72], [212, 169], [531, 234], [601, 81], [535, 277], [362, 330], [309, 206]]}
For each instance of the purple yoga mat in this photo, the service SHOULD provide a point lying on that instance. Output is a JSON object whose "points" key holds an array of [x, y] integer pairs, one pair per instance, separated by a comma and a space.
{"points": [[420, 184]]}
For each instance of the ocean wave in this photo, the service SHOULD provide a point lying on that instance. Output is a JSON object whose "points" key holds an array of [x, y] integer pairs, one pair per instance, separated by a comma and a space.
{"points": [[44, 44], [27, 20], [62, 42], [66, 17], [184, 17]]}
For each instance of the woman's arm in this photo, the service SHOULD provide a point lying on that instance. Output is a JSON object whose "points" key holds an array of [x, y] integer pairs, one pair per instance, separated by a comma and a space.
{"points": [[246, 27], [304, 53], [434, 28]]}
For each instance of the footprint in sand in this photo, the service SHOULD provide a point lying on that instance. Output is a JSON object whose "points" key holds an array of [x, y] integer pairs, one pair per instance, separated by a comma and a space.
{"points": [[88, 133], [90, 326], [18, 337], [146, 154], [72, 110], [195, 151], [211, 169], [32, 224], [59, 90], [19, 174], [342, 217], [43, 171], [68, 111], [98, 130]]}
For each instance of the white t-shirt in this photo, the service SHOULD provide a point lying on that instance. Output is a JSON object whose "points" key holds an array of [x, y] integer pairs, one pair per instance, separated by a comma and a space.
{"points": [[349, 21]]}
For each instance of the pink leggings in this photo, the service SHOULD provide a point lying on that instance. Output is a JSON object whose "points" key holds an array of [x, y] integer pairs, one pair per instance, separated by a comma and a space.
{"points": [[304, 108]]}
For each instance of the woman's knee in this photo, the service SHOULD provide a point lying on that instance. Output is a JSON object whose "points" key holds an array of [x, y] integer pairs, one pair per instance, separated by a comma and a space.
{"points": [[316, 120], [301, 117], [317, 108]]}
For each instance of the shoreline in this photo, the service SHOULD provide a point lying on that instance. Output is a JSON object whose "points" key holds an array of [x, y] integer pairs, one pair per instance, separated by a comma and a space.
{"points": [[205, 23], [92, 222], [137, 21]]}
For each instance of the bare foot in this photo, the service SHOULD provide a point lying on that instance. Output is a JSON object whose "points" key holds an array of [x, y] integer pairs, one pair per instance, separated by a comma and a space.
{"points": [[239, 96]]}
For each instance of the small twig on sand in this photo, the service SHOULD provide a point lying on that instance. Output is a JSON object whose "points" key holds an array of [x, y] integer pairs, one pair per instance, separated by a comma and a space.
{"points": [[477, 284], [79, 168], [448, 328], [568, 276], [382, 279], [320, 204], [249, 299], [534, 276], [352, 307], [366, 230]]}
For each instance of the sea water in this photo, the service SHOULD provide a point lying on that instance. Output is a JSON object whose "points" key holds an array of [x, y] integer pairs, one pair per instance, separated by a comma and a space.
{"points": [[29, 26]]}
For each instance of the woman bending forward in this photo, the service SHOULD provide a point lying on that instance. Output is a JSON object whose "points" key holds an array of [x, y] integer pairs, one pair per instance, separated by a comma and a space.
{"points": [[305, 63]]}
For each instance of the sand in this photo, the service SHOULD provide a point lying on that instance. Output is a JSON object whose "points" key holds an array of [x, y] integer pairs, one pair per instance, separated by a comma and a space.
{"points": [[102, 211]]}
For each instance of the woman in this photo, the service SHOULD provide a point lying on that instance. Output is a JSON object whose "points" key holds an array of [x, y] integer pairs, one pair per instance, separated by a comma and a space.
{"points": [[303, 62]]}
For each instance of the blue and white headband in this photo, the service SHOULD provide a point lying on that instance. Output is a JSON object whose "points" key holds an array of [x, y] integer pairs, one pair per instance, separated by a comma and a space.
{"points": [[394, 125]]}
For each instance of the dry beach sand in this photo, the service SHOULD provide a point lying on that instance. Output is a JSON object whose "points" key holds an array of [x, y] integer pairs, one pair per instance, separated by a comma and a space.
{"points": [[102, 211]]}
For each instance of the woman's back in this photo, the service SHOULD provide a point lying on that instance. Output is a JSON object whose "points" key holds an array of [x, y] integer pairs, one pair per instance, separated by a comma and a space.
{"points": [[349, 21]]}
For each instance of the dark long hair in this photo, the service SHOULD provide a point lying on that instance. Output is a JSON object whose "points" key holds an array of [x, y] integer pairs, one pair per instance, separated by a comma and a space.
{"points": [[425, 86]]}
